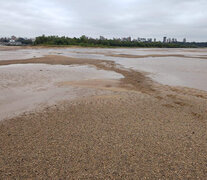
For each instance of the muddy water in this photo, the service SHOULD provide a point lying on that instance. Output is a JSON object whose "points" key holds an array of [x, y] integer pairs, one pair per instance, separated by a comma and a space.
{"points": [[174, 71], [189, 71], [32, 86], [97, 53]]}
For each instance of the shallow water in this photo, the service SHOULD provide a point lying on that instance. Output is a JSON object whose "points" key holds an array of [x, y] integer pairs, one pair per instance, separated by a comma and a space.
{"points": [[96, 53], [24, 87], [176, 71]]}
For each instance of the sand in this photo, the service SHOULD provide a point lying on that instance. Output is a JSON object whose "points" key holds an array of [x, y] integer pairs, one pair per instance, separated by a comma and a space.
{"points": [[139, 129]]}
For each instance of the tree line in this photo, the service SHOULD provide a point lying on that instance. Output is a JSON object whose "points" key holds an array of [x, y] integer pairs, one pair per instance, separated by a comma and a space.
{"points": [[91, 42]]}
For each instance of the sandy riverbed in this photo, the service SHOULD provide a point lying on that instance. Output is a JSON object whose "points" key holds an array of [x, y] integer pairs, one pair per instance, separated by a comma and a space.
{"points": [[122, 125], [175, 67]]}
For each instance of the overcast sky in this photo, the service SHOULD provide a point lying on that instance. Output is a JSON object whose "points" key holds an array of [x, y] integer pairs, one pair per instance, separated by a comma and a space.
{"points": [[109, 18]]}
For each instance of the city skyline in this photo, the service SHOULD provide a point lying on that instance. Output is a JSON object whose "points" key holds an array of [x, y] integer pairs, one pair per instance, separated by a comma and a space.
{"points": [[13, 39]]}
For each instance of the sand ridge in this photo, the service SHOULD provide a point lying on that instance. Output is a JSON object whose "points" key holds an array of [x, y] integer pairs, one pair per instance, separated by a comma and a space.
{"points": [[136, 79]]}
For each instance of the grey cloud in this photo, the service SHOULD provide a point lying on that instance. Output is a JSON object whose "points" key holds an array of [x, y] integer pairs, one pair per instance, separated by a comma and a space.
{"points": [[110, 18]]}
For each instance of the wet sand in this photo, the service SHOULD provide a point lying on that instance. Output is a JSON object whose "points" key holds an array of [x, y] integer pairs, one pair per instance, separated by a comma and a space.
{"points": [[134, 129], [34, 86], [175, 67]]}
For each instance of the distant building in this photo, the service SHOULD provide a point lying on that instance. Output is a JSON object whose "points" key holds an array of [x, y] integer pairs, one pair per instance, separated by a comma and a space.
{"points": [[13, 38], [102, 38], [124, 39], [184, 40], [12, 41], [164, 39], [127, 39], [155, 40], [142, 39], [169, 40], [117, 39], [149, 40], [174, 40]]}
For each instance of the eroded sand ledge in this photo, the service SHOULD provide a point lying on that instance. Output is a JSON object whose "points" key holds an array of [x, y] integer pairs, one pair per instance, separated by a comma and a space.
{"points": [[140, 129]]}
